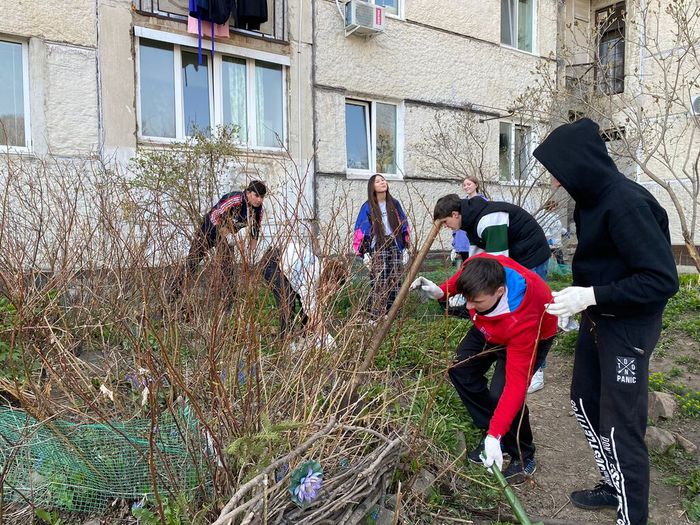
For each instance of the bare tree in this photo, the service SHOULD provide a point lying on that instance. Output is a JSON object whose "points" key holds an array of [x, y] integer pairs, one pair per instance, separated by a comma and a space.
{"points": [[644, 106]]}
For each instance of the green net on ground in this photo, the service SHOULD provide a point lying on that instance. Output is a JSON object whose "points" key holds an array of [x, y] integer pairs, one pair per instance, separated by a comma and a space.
{"points": [[82, 468]]}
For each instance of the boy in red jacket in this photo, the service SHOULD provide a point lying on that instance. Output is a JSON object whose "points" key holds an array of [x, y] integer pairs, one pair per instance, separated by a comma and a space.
{"points": [[506, 302]]}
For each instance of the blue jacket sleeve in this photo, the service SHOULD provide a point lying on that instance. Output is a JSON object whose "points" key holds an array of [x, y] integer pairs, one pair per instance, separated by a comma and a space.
{"points": [[405, 228]]}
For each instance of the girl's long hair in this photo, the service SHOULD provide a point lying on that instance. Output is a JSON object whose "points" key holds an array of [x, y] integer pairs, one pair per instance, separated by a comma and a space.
{"points": [[375, 214]]}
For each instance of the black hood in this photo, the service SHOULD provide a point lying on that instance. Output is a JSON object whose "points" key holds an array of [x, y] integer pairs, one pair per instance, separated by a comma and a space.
{"points": [[575, 155], [471, 209]]}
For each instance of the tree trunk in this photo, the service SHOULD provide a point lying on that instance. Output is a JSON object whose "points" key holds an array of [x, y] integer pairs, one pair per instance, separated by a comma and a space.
{"points": [[692, 249]]}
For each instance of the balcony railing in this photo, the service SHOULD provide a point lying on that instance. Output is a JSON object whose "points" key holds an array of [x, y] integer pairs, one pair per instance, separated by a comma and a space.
{"points": [[275, 27]]}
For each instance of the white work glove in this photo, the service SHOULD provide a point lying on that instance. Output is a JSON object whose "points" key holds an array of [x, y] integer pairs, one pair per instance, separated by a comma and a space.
{"points": [[405, 257], [231, 239], [456, 301], [453, 255], [427, 288], [367, 261], [571, 301], [492, 453]]}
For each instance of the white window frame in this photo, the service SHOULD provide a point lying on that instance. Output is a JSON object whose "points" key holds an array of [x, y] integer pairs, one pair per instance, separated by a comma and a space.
{"points": [[25, 94], [532, 142], [371, 104], [189, 44], [535, 25], [400, 13]]}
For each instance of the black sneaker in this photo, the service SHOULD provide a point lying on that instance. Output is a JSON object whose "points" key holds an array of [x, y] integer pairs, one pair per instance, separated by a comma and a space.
{"points": [[602, 496], [475, 455], [516, 473]]}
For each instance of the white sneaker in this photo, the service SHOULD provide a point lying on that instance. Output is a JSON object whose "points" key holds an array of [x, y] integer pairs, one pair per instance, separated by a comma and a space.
{"points": [[537, 382]]}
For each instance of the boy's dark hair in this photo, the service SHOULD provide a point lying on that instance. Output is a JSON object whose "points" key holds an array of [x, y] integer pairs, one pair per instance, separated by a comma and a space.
{"points": [[446, 205], [258, 187], [480, 275]]}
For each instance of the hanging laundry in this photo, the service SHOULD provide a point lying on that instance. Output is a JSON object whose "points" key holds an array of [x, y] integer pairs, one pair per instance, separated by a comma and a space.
{"points": [[220, 30], [250, 14], [215, 12]]}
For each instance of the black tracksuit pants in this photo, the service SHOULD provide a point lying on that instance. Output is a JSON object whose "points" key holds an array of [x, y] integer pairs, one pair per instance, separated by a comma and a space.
{"points": [[473, 359], [609, 397], [286, 298]]}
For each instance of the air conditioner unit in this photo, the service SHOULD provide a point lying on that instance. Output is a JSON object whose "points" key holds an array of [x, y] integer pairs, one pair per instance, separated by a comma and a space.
{"points": [[695, 105], [363, 18]]}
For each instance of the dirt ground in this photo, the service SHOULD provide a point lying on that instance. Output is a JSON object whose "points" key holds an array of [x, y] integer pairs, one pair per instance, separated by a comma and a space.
{"points": [[565, 461]]}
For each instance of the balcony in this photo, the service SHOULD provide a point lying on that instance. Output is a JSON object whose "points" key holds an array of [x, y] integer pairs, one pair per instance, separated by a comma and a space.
{"points": [[275, 28]]}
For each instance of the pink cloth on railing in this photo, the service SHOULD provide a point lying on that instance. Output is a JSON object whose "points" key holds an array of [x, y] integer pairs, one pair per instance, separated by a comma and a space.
{"points": [[220, 30]]}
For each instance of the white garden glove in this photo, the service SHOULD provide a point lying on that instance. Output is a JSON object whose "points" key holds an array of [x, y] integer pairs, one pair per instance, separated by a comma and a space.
{"points": [[492, 453], [367, 261], [427, 288], [571, 301], [456, 301], [405, 257], [453, 255], [231, 239]]}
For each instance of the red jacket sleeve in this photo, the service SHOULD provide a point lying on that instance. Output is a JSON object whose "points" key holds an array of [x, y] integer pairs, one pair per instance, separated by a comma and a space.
{"points": [[520, 359]]}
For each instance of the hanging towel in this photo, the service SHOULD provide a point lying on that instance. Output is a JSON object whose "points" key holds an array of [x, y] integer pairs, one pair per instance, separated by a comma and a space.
{"points": [[220, 30]]}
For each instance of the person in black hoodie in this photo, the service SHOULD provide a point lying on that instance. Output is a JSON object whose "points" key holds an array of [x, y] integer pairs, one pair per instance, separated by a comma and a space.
{"points": [[623, 275]]}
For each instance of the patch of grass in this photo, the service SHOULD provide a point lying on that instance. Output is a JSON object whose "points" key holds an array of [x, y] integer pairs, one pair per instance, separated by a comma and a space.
{"points": [[441, 414], [690, 327], [674, 372], [691, 503], [558, 281], [422, 342], [692, 364], [565, 343], [688, 480]]}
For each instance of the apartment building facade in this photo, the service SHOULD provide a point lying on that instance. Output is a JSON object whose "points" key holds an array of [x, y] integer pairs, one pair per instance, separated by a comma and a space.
{"points": [[320, 108], [106, 78], [378, 99]]}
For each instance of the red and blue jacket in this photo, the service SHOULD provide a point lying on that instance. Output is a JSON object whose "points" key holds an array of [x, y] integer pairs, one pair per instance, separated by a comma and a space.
{"points": [[519, 322], [362, 242]]}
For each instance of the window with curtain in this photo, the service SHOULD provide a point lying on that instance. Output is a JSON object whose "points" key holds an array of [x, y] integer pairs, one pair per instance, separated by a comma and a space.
{"points": [[13, 124], [610, 64], [235, 93], [372, 136], [157, 89], [518, 24], [514, 152], [268, 95], [179, 95], [195, 93], [386, 138]]}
